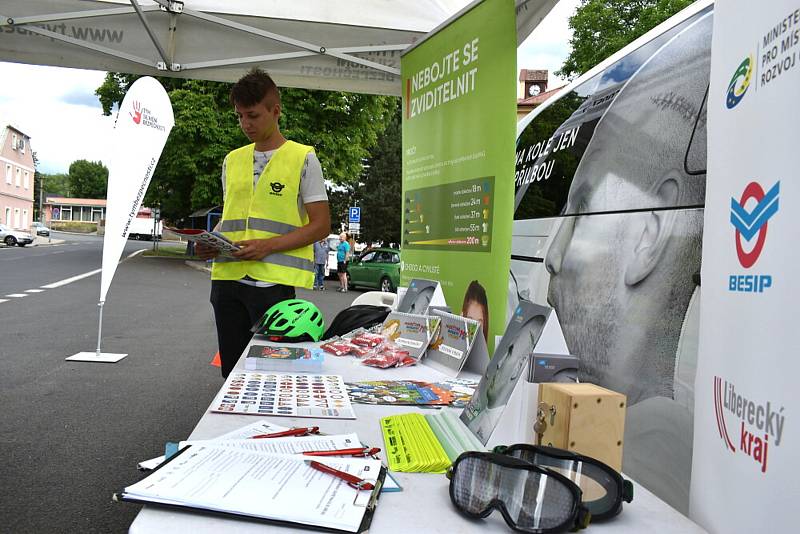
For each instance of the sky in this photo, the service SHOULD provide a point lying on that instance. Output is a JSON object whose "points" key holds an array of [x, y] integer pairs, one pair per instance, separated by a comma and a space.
{"points": [[58, 109]]}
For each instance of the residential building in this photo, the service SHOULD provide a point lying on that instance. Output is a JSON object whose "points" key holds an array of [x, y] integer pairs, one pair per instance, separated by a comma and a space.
{"points": [[58, 209], [16, 178]]}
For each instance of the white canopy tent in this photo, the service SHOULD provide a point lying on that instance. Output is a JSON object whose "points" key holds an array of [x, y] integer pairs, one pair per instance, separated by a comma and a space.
{"points": [[346, 45]]}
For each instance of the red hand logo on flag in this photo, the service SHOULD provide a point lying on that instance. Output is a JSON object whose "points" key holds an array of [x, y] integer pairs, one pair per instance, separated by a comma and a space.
{"points": [[137, 112]]}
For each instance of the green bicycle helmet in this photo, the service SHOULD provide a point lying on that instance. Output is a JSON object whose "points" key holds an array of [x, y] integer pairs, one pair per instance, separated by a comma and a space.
{"points": [[293, 321]]}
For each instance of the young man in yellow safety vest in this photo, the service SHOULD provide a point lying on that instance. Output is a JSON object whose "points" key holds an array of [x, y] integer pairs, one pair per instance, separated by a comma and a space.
{"points": [[275, 208]]}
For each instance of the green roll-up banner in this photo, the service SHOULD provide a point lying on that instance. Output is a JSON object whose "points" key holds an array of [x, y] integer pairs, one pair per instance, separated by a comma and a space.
{"points": [[459, 127]]}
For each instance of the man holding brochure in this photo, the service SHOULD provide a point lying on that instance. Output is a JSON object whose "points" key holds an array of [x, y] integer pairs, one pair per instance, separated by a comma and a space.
{"points": [[275, 208]]}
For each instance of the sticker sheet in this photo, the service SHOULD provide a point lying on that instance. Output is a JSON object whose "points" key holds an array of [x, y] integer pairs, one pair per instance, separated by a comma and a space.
{"points": [[289, 395]]}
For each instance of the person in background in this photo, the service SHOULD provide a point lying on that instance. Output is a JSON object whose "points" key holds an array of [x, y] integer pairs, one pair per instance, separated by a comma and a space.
{"points": [[342, 256], [275, 208], [321, 249]]}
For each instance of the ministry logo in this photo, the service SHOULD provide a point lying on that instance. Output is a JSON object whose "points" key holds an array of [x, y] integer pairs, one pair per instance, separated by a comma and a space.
{"points": [[739, 83]]}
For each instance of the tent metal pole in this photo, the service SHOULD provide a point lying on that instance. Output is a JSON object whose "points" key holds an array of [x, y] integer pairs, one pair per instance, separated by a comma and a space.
{"points": [[167, 61]]}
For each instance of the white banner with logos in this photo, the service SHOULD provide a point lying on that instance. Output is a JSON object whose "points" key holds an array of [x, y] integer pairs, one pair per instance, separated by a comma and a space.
{"points": [[143, 125], [746, 453]]}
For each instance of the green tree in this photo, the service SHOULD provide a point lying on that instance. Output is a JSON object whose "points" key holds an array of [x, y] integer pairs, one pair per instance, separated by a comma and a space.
{"points": [[341, 126], [88, 179], [601, 27], [379, 195]]}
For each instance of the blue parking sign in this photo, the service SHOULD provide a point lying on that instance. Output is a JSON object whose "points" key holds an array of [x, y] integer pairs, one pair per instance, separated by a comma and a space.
{"points": [[355, 214]]}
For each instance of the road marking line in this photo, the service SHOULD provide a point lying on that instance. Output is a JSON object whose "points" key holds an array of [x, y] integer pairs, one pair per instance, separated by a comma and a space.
{"points": [[70, 280], [85, 275], [34, 291], [17, 295], [3, 300]]}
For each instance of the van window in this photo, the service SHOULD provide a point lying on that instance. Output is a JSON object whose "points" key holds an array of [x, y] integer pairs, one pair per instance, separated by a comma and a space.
{"points": [[554, 145]]}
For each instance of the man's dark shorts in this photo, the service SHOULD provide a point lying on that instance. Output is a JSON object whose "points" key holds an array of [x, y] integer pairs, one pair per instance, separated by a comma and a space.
{"points": [[341, 266]]}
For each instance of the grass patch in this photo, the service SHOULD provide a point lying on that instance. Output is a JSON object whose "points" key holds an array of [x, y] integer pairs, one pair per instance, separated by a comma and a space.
{"points": [[170, 251], [74, 226]]}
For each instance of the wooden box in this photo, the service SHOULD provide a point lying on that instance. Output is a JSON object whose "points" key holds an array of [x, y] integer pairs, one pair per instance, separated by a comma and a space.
{"points": [[584, 418]]}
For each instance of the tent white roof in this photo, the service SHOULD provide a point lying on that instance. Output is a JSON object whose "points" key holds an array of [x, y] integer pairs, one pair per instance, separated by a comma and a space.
{"points": [[347, 45]]}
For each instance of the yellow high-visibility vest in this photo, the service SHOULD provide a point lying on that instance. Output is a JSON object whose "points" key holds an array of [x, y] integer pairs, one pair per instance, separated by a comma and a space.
{"points": [[268, 210]]}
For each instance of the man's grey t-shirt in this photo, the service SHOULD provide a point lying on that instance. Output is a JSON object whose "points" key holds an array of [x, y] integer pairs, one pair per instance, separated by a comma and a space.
{"points": [[312, 187]]}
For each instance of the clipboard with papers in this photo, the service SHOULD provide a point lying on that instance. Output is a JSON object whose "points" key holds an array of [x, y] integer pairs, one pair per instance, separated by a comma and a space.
{"points": [[267, 487]]}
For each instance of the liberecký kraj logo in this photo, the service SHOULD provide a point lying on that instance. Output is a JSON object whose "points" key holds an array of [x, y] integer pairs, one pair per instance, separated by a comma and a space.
{"points": [[143, 116], [739, 83], [750, 216], [758, 423]]}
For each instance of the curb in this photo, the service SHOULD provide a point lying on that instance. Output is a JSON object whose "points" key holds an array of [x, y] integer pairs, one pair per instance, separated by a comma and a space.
{"points": [[199, 265]]}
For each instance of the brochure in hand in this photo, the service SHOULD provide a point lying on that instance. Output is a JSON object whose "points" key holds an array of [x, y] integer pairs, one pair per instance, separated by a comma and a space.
{"points": [[212, 239]]}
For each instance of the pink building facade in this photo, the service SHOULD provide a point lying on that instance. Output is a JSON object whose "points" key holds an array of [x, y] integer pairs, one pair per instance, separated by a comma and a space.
{"points": [[16, 178]]}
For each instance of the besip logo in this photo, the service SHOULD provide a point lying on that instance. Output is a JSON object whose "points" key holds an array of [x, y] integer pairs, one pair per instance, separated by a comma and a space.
{"points": [[739, 83], [758, 422], [751, 224], [136, 115]]}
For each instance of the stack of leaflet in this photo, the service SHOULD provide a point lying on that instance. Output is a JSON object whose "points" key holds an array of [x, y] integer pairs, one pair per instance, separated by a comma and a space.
{"points": [[426, 444], [294, 359]]}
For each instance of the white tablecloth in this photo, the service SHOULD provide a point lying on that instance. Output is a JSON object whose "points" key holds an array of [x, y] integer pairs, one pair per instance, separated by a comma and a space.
{"points": [[424, 504]]}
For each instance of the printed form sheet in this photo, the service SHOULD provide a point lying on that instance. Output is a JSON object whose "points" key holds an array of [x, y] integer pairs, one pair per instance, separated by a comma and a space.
{"points": [[262, 485]]}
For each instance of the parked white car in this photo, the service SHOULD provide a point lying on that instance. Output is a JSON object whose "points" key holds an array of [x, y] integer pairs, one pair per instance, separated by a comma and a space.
{"points": [[12, 237]]}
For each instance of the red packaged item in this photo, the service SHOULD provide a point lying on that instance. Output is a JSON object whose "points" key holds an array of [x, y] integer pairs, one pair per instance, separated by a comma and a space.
{"points": [[337, 348], [381, 359], [368, 340], [360, 351], [406, 360]]}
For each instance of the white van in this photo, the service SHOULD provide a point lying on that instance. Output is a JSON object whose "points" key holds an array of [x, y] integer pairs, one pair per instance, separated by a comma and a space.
{"points": [[608, 224], [333, 243]]}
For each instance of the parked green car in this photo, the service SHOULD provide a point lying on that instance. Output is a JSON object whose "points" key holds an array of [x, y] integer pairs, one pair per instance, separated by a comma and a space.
{"points": [[377, 268]]}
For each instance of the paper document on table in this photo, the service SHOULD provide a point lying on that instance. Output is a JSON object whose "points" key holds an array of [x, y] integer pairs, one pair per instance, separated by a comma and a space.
{"points": [[265, 486], [287, 445], [247, 431]]}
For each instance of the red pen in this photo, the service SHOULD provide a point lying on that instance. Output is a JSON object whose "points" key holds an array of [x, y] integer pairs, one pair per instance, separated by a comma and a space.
{"points": [[301, 431], [352, 480], [359, 451]]}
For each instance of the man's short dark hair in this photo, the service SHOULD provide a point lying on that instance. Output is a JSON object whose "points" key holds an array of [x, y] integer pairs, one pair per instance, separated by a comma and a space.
{"points": [[253, 87]]}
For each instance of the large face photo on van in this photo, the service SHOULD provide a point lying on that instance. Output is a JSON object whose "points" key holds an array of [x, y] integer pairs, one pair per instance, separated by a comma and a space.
{"points": [[611, 178]]}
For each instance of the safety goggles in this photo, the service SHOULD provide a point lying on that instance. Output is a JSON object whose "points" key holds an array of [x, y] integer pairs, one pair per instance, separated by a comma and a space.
{"points": [[603, 488], [530, 498]]}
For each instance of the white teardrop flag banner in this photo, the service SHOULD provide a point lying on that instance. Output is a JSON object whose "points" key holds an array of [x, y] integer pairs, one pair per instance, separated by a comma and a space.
{"points": [[143, 125]]}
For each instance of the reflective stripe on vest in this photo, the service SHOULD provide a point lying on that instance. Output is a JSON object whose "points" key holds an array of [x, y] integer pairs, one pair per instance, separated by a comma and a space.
{"points": [[268, 210]]}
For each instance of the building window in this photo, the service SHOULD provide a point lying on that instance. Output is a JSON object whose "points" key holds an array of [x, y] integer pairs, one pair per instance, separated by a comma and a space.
{"points": [[19, 176], [8, 216], [13, 141], [27, 180], [25, 222], [9, 174], [16, 218], [97, 214], [22, 145]]}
